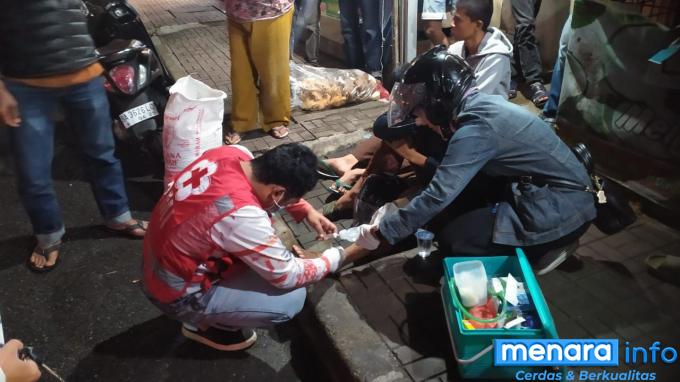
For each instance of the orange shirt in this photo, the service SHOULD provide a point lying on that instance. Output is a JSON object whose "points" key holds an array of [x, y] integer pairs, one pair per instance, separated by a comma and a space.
{"points": [[63, 80]]}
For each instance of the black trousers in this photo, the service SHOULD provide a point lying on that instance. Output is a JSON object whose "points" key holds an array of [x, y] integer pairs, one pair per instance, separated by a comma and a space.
{"points": [[466, 226], [526, 57]]}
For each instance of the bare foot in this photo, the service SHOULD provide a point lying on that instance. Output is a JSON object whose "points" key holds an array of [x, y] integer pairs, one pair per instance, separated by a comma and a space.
{"points": [[342, 164], [346, 181]]}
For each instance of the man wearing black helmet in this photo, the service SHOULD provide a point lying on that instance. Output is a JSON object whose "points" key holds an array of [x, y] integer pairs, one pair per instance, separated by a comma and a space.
{"points": [[547, 204]]}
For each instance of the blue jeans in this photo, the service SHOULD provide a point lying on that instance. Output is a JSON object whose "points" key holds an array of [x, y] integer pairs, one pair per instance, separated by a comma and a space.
{"points": [[243, 300], [87, 110], [367, 45], [550, 107], [306, 28]]}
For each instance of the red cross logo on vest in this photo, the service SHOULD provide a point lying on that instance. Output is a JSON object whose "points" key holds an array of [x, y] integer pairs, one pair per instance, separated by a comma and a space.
{"points": [[194, 181]]}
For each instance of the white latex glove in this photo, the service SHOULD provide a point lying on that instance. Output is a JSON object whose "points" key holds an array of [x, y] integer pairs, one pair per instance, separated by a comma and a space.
{"points": [[366, 239]]}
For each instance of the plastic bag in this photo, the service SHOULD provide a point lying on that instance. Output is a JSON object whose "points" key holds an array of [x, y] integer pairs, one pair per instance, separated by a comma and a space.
{"points": [[314, 88], [192, 124]]}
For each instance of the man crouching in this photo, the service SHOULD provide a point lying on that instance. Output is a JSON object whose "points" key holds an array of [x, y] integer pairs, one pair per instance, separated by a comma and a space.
{"points": [[211, 257]]}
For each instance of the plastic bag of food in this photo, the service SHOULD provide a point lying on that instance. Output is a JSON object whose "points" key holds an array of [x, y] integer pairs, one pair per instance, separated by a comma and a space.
{"points": [[315, 88]]}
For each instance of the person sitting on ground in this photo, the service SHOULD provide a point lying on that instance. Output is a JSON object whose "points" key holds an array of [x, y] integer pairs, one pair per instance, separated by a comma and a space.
{"points": [[547, 204], [212, 259], [15, 369], [485, 48], [34, 82]]}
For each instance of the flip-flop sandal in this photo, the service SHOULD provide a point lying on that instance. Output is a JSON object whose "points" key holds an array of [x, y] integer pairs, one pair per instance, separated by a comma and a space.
{"points": [[44, 252], [232, 138], [276, 132], [338, 187], [664, 267], [331, 212], [538, 94], [325, 171], [128, 230]]}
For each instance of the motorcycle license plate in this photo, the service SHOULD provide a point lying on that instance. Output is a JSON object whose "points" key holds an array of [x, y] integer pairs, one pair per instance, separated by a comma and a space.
{"points": [[138, 114]]}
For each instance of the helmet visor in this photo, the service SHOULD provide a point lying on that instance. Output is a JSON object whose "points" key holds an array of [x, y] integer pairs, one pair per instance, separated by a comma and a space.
{"points": [[403, 100]]}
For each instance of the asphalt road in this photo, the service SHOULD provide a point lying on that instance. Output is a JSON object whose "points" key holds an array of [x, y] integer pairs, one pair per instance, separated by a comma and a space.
{"points": [[89, 317]]}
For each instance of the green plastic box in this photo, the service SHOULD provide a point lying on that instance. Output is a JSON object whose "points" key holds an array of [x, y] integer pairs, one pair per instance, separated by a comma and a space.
{"points": [[473, 349]]}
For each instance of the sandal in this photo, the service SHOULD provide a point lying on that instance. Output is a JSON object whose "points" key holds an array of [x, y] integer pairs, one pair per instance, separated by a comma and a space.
{"points": [[339, 187], [129, 229], [664, 267], [325, 171], [44, 252], [539, 96], [279, 132], [232, 138]]}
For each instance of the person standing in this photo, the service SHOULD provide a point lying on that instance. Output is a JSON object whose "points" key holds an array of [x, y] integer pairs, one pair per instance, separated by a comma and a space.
{"points": [[307, 29], [48, 60], [259, 42], [527, 58], [367, 44]]}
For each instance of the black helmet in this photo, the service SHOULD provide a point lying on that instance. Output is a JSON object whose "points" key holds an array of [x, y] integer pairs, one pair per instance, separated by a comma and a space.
{"points": [[436, 80]]}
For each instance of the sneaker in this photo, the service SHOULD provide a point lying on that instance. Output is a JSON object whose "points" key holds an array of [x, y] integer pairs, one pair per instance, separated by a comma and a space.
{"points": [[554, 258], [224, 340]]}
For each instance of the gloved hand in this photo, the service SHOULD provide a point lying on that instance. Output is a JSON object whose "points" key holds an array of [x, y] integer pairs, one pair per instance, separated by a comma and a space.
{"points": [[367, 238]]}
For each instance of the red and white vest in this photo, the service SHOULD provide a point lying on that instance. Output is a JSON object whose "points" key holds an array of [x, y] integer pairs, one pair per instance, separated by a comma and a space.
{"points": [[179, 253]]}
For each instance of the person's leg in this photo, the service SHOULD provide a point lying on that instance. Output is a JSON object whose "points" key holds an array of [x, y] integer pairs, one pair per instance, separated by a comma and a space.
{"points": [[312, 21], [297, 28], [32, 148], [386, 22], [244, 109], [244, 300], [349, 26], [550, 108], [372, 36], [470, 234], [524, 12], [87, 110], [268, 49]]}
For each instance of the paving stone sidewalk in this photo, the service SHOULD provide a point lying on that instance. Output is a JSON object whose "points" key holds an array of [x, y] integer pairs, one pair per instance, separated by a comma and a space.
{"points": [[608, 294], [191, 37]]}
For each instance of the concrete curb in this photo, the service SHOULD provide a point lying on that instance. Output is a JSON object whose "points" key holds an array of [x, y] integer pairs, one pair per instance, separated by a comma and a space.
{"points": [[351, 349]]}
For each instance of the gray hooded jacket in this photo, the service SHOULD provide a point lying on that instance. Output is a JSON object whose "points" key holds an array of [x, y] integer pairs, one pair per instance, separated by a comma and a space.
{"points": [[491, 63]]}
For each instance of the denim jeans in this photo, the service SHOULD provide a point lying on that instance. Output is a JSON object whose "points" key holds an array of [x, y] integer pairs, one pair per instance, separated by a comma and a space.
{"points": [[243, 300], [306, 28], [87, 111], [526, 57], [550, 108], [367, 44]]}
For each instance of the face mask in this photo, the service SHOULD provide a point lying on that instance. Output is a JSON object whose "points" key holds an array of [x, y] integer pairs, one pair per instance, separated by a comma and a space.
{"points": [[275, 208]]}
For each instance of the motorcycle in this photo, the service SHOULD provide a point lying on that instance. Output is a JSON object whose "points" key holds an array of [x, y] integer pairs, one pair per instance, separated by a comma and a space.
{"points": [[136, 83]]}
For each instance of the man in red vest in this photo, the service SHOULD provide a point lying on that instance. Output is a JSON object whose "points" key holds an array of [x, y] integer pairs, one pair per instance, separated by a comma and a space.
{"points": [[211, 257]]}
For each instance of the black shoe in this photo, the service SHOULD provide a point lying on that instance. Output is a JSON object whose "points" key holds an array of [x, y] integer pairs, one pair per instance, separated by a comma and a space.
{"points": [[551, 121], [554, 258], [224, 340]]}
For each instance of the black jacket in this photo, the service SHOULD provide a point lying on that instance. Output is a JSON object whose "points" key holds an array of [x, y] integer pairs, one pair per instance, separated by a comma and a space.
{"points": [[39, 38]]}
